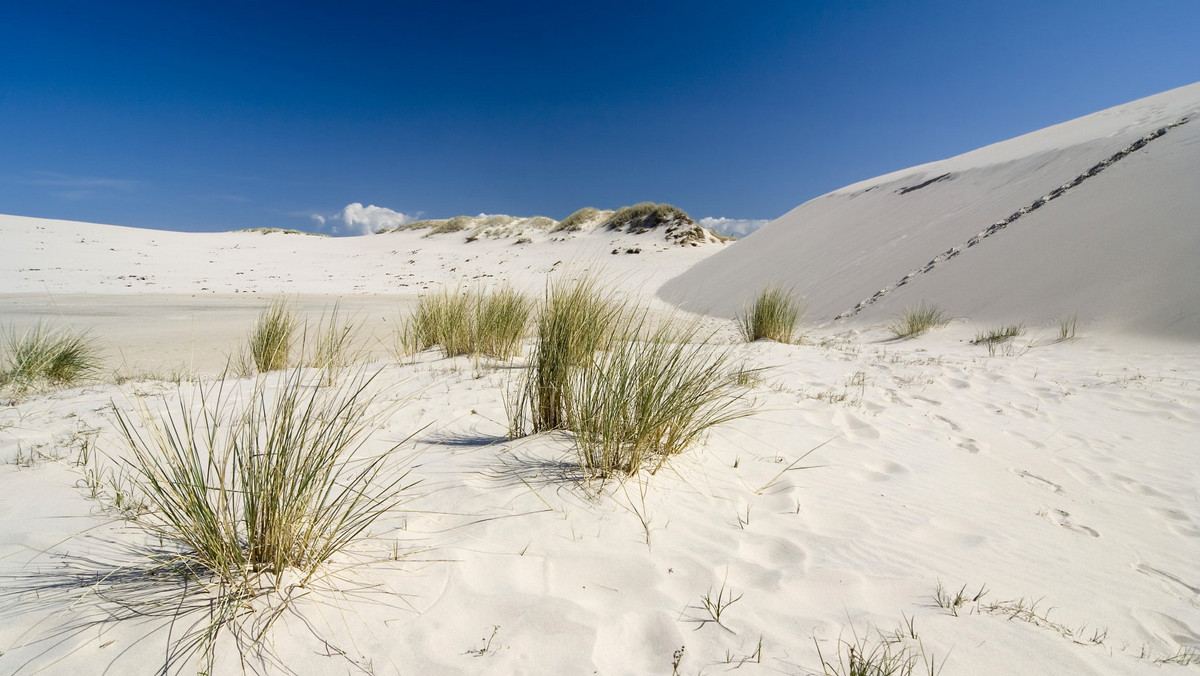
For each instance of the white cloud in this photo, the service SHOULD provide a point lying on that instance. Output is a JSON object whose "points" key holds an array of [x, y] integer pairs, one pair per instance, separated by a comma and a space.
{"points": [[739, 227], [355, 219]]}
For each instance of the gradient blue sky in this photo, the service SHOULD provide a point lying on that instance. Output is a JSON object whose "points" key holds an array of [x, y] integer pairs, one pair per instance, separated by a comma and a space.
{"points": [[222, 115]]}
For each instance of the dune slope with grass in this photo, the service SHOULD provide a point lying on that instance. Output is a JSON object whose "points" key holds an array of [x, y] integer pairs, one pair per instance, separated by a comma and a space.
{"points": [[1094, 217]]}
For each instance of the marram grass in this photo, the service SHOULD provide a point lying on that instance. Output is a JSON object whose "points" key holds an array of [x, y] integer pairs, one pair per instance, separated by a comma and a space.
{"points": [[257, 485], [45, 356], [469, 322], [646, 398], [575, 320], [271, 338], [772, 315], [914, 321]]}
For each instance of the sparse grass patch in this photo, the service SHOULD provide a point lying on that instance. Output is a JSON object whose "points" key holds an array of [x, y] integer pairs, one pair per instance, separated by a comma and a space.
{"points": [[42, 356], [772, 315], [468, 322], [914, 321], [995, 338], [863, 656], [271, 338], [1067, 328], [333, 346]]}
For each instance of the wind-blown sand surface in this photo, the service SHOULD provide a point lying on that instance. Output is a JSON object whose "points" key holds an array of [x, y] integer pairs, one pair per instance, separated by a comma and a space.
{"points": [[1060, 476]]}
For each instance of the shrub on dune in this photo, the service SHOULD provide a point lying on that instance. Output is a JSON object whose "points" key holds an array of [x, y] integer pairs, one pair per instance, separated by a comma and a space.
{"points": [[41, 355], [772, 315]]}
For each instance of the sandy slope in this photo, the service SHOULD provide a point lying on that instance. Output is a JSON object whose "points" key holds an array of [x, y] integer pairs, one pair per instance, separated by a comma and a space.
{"points": [[1104, 211]]}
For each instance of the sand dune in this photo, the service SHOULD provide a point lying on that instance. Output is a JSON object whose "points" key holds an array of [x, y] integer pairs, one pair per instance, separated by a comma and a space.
{"points": [[1093, 217], [1051, 482]]}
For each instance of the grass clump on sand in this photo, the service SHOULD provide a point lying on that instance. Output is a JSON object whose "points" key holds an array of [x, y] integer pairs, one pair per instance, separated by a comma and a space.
{"points": [[772, 315], [574, 321], [45, 356], [914, 321], [996, 338], [468, 322], [246, 489], [644, 399], [270, 346]]}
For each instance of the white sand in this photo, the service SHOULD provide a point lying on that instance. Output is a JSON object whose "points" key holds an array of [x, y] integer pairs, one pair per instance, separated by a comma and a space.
{"points": [[1119, 249], [1060, 476]]}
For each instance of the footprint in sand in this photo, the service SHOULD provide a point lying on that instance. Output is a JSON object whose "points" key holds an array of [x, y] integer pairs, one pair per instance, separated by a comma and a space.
{"points": [[1035, 480], [1178, 522], [1060, 518], [854, 428], [1174, 583]]}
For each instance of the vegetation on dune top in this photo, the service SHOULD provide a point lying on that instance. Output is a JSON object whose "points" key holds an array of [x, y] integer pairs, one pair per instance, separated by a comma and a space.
{"points": [[281, 231]]}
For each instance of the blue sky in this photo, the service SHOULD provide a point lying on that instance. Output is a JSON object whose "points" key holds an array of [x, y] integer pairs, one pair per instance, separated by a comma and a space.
{"points": [[224, 115]]}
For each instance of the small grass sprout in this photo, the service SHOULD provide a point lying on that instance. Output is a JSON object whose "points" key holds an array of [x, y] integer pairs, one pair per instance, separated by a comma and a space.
{"points": [[914, 321], [772, 315], [1067, 328], [271, 338], [43, 356]]}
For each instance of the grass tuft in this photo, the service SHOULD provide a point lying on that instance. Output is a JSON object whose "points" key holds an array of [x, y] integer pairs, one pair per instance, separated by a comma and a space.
{"points": [[914, 321], [333, 347], [247, 489], [42, 356], [995, 338], [272, 336], [575, 320], [772, 315], [468, 322], [1067, 328], [645, 399]]}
